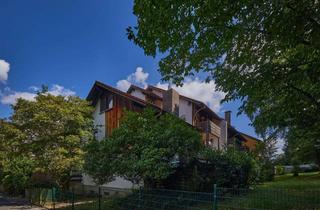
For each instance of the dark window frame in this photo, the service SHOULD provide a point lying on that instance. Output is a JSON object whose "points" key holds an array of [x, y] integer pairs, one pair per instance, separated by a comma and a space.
{"points": [[105, 103]]}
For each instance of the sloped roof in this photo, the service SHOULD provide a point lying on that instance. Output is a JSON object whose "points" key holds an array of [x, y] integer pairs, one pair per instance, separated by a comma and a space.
{"points": [[144, 91], [199, 103], [246, 136], [101, 86]]}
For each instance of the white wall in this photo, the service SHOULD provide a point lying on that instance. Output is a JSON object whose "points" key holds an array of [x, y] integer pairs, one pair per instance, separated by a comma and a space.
{"points": [[119, 182], [158, 93], [138, 94], [99, 122], [185, 110]]}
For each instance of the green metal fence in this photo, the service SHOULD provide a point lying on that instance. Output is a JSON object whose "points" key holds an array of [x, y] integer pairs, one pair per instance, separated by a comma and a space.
{"points": [[103, 198]]}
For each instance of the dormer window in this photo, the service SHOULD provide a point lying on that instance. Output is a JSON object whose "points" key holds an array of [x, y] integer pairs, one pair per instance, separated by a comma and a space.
{"points": [[106, 103]]}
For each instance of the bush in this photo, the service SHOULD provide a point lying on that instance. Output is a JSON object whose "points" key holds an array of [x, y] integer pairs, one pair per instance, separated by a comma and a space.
{"points": [[229, 168], [279, 170], [267, 172], [16, 174], [233, 168]]}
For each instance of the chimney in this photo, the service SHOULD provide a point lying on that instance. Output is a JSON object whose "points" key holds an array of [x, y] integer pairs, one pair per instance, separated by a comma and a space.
{"points": [[171, 101], [227, 117]]}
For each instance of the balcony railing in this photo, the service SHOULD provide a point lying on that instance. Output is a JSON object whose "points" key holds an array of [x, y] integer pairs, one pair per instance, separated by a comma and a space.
{"points": [[208, 126]]}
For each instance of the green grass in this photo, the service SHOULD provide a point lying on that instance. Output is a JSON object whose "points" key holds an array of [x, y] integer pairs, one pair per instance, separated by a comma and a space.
{"points": [[285, 192], [307, 181]]}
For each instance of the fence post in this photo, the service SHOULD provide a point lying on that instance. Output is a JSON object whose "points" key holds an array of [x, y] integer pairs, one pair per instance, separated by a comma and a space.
{"points": [[215, 197], [72, 198], [53, 198], [39, 203], [140, 197], [99, 199]]}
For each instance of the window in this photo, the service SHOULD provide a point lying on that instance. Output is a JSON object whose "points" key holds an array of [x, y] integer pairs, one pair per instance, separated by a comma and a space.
{"points": [[106, 103], [109, 102]]}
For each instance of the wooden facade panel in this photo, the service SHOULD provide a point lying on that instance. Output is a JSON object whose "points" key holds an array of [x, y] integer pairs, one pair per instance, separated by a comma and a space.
{"points": [[209, 127], [114, 115], [251, 144]]}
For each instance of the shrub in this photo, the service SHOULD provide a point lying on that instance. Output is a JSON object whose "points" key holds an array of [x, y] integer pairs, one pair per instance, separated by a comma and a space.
{"points": [[16, 174], [279, 170], [228, 168]]}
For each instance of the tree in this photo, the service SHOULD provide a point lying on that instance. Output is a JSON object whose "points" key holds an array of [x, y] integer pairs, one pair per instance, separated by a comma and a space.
{"points": [[99, 159], [264, 53], [51, 131], [145, 147], [15, 174], [266, 154]]}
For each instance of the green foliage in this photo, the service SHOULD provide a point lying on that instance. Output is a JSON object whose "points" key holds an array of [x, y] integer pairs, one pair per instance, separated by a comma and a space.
{"points": [[51, 131], [99, 162], [296, 168], [15, 174], [229, 168], [265, 53], [233, 168], [279, 170], [265, 154], [146, 146]]}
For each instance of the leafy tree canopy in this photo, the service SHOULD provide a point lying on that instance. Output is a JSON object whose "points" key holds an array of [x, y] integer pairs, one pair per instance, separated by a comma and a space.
{"points": [[50, 131], [265, 53], [99, 161], [146, 146]]}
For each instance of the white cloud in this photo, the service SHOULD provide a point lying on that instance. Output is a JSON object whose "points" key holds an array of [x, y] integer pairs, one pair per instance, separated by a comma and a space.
{"points": [[13, 96], [10, 97], [139, 77], [280, 145], [199, 90], [60, 90], [123, 85], [4, 70], [193, 88]]}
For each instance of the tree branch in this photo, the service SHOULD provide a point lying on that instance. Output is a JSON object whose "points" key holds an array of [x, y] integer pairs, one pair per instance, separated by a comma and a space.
{"points": [[308, 95]]}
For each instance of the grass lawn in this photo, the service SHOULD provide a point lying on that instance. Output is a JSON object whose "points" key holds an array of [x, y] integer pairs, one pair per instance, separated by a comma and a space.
{"points": [[305, 181], [285, 192]]}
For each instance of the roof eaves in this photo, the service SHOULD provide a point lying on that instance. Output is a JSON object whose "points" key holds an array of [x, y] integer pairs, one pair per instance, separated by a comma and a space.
{"points": [[246, 135], [156, 88], [132, 87], [190, 99], [144, 91], [116, 91]]}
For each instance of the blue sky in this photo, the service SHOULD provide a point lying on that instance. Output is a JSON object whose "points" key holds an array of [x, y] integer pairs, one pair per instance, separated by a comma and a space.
{"points": [[68, 44]]}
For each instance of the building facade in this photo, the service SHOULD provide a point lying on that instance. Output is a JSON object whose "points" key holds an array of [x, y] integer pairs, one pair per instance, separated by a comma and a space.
{"points": [[110, 103]]}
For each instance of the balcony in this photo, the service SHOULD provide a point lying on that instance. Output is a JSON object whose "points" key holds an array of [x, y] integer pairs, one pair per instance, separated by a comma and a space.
{"points": [[208, 126]]}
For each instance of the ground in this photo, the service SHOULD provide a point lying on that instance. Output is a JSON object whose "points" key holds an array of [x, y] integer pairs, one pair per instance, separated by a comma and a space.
{"points": [[285, 192], [15, 204]]}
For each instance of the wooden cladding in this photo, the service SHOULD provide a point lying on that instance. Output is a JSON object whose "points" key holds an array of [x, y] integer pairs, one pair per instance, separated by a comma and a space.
{"points": [[208, 126], [114, 115]]}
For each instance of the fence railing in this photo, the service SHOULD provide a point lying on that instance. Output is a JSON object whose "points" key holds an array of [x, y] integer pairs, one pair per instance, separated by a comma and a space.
{"points": [[103, 198]]}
